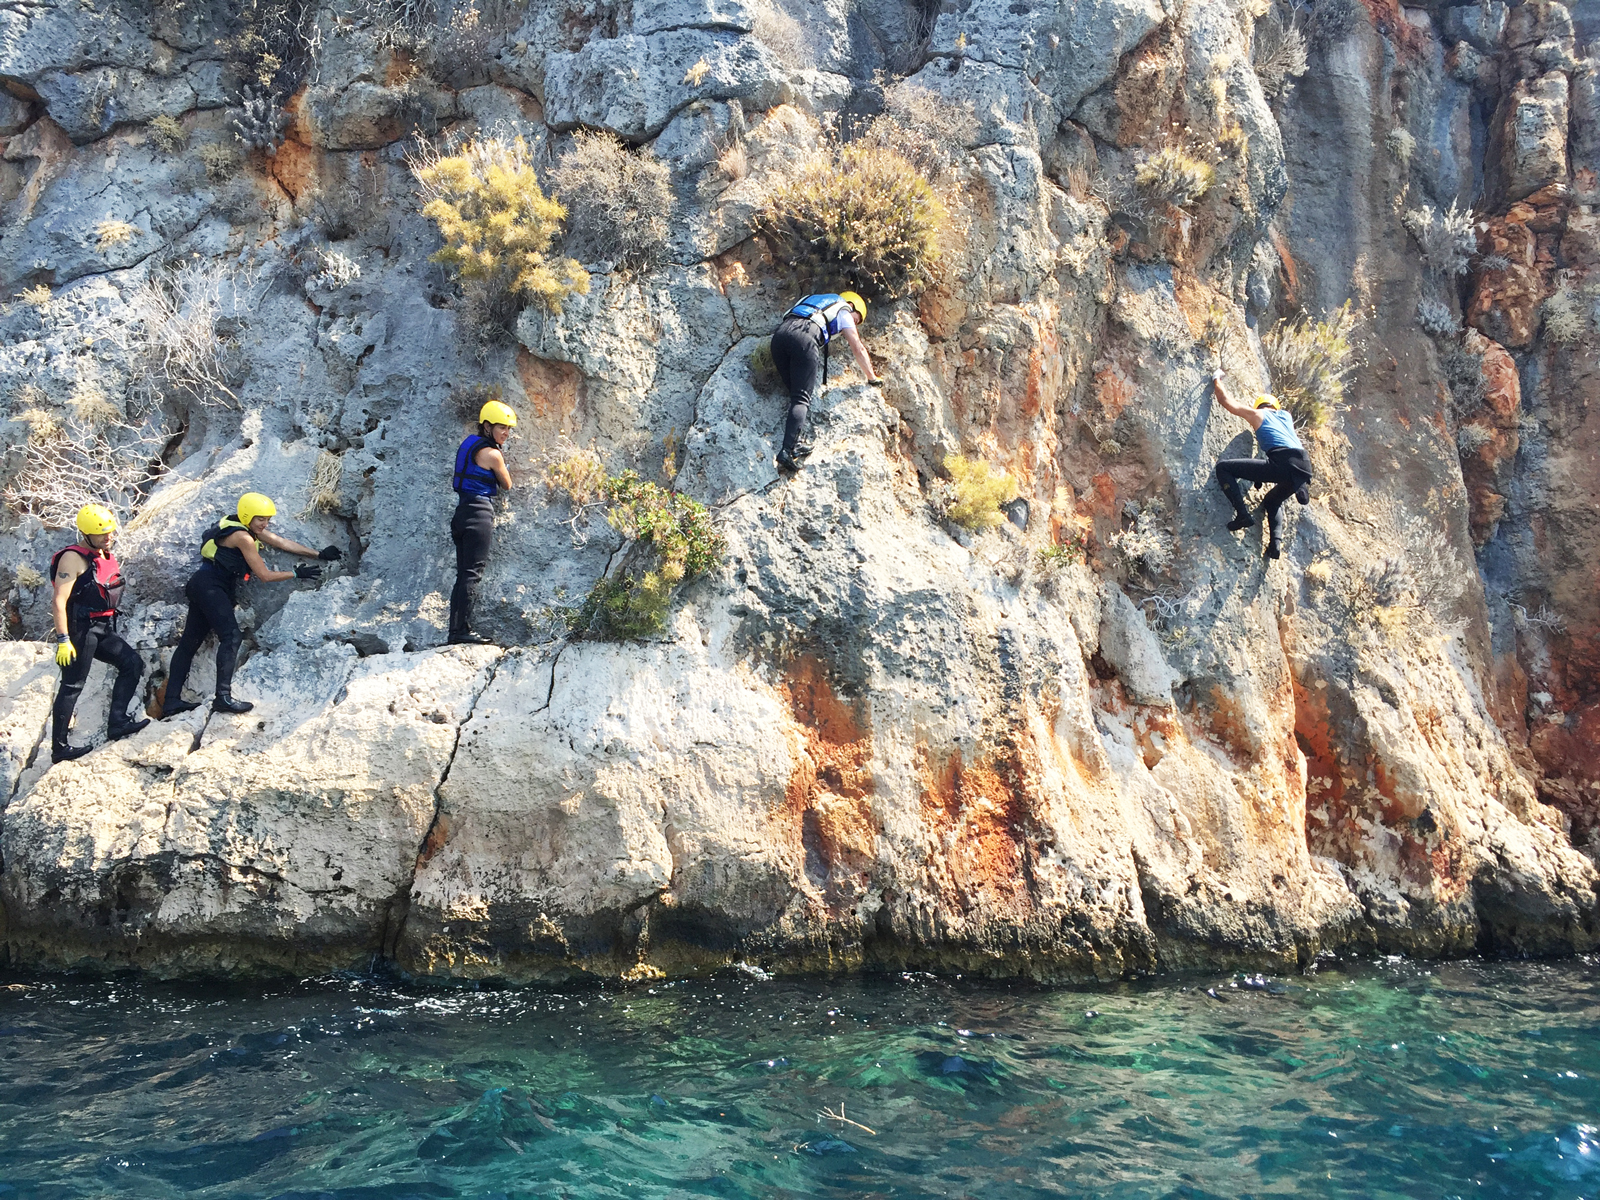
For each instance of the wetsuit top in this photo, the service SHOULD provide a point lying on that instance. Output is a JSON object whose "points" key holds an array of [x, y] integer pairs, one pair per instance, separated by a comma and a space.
{"points": [[828, 314], [226, 559], [97, 592], [1276, 431], [470, 479]]}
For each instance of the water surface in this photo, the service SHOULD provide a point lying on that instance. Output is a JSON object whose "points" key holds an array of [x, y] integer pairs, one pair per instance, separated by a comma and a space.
{"points": [[1392, 1079]]}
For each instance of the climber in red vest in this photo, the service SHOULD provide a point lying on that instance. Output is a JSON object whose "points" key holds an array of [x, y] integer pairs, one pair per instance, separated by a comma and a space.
{"points": [[87, 582]]}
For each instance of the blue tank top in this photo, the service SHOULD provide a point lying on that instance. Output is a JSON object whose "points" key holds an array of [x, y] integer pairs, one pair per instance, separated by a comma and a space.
{"points": [[470, 479], [1277, 431]]}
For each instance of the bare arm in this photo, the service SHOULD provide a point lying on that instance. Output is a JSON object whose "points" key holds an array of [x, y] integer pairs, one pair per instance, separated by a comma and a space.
{"points": [[859, 349], [246, 545], [1248, 415], [287, 545], [68, 568], [490, 459]]}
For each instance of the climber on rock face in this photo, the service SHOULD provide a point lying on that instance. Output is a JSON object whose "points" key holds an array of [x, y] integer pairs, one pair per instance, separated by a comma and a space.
{"points": [[87, 583], [1286, 466], [480, 473], [231, 551], [800, 355]]}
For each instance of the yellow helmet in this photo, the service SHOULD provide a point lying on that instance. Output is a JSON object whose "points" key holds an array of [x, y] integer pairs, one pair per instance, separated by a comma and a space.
{"points": [[496, 413], [94, 519], [253, 505], [1267, 400], [857, 303]]}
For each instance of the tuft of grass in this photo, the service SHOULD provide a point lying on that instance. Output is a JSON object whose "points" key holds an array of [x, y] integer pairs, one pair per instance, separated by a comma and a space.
{"points": [[1565, 318], [979, 493], [1401, 146], [1471, 438], [111, 233], [1446, 239], [27, 577], [619, 200], [859, 213], [673, 541], [322, 496], [496, 223], [220, 160], [1174, 176], [1311, 362], [39, 296], [168, 134]]}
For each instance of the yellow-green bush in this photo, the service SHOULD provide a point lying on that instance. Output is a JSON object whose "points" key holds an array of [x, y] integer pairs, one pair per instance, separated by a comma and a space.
{"points": [[861, 214], [674, 540], [167, 133], [496, 223], [1311, 361], [1174, 176], [979, 493]]}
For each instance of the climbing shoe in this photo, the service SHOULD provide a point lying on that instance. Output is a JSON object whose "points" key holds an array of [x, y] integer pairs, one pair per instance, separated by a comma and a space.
{"points": [[787, 464], [803, 450], [173, 707], [1243, 521], [60, 752], [226, 703], [1271, 551], [468, 639], [1303, 494], [127, 729]]}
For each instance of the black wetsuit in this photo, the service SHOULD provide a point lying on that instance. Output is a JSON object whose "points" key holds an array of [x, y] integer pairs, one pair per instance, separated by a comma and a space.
{"points": [[1287, 468], [471, 529], [94, 636], [797, 354], [212, 591]]}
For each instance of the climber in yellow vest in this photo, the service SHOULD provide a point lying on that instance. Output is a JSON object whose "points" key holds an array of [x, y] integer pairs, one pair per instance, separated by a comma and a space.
{"points": [[480, 475], [87, 583], [230, 552], [800, 356]]}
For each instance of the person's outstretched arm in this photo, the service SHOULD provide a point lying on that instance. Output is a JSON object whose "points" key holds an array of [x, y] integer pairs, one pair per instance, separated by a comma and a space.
{"points": [[287, 545], [859, 349], [1248, 415]]}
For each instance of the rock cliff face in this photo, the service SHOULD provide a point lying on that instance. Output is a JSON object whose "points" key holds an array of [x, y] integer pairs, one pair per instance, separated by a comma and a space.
{"points": [[868, 737]]}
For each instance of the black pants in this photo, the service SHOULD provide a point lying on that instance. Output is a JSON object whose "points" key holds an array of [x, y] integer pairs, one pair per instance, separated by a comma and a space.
{"points": [[94, 639], [471, 529], [1287, 470], [211, 594], [798, 357]]}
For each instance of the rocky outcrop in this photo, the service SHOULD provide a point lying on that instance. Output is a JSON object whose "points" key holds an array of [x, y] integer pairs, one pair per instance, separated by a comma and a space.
{"points": [[1103, 737]]}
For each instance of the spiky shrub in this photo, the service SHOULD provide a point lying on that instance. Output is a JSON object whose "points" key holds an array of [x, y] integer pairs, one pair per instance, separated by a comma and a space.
{"points": [[1400, 145], [978, 493], [1173, 176], [497, 224], [1446, 239], [1565, 318], [862, 214], [619, 201], [673, 541], [1311, 361], [1279, 54], [1437, 318], [261, 123]]}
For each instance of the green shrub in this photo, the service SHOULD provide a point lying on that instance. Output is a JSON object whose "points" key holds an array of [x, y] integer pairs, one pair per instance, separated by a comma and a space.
{"points": [[674, 540], [1174, 176], [979, 493], [862, 214], [1075, 549], [496, 223], [1311, 361], [619, 200]]}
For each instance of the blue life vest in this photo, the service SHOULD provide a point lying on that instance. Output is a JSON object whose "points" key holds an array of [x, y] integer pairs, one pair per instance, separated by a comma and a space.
{"points": [[1276, 431], [823, 310], [471, 479]]}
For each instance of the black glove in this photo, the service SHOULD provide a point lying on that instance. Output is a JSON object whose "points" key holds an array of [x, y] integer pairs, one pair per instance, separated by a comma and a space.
{"points": [[308, 571], [330, 554]]}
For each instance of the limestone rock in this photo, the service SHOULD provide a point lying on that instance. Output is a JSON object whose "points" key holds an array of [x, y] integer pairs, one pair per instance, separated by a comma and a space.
{"points": [[1536, 135]]}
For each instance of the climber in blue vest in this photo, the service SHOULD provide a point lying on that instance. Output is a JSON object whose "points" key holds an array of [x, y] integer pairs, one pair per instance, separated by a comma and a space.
{"points": [[1286, 466], [479, 475], [800, 354]]}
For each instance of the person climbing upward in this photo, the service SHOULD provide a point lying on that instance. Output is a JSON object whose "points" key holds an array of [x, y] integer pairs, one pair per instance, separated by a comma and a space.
{"points": [[230, 551], [1286, 466], [800, 355], [479, 475], [87, 583]]}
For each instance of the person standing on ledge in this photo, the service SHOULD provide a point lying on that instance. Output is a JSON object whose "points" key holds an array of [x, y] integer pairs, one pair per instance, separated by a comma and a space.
{"points": [[800, 355], [479, 475], [87, 583], [230, 551], [1286, 466]]}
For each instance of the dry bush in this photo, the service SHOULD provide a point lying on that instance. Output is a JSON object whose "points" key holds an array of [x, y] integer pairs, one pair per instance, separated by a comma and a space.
{"points": [[168, 134], [929, 131], [1446, 239], [1463, 373], [1471, 438], [322, 496], [1401, 146], [1279, 54], [333, 270], [1173, 176], [784, 36], [497, 225], [39, 296], [1145, 545], [68, 464], [860, 213], [1311, 361], [185, 329], [219, 160], [1566, 317], [619, 201], [1438, 319], [977, 493], [111, 233]]}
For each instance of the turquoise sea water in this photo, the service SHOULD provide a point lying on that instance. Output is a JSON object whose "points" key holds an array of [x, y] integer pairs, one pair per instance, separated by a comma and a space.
{"points": [[1383, 1080]]}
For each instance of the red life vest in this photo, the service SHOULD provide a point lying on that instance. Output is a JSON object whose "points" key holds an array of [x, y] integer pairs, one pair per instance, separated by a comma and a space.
{"points": [[97, 592]]}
